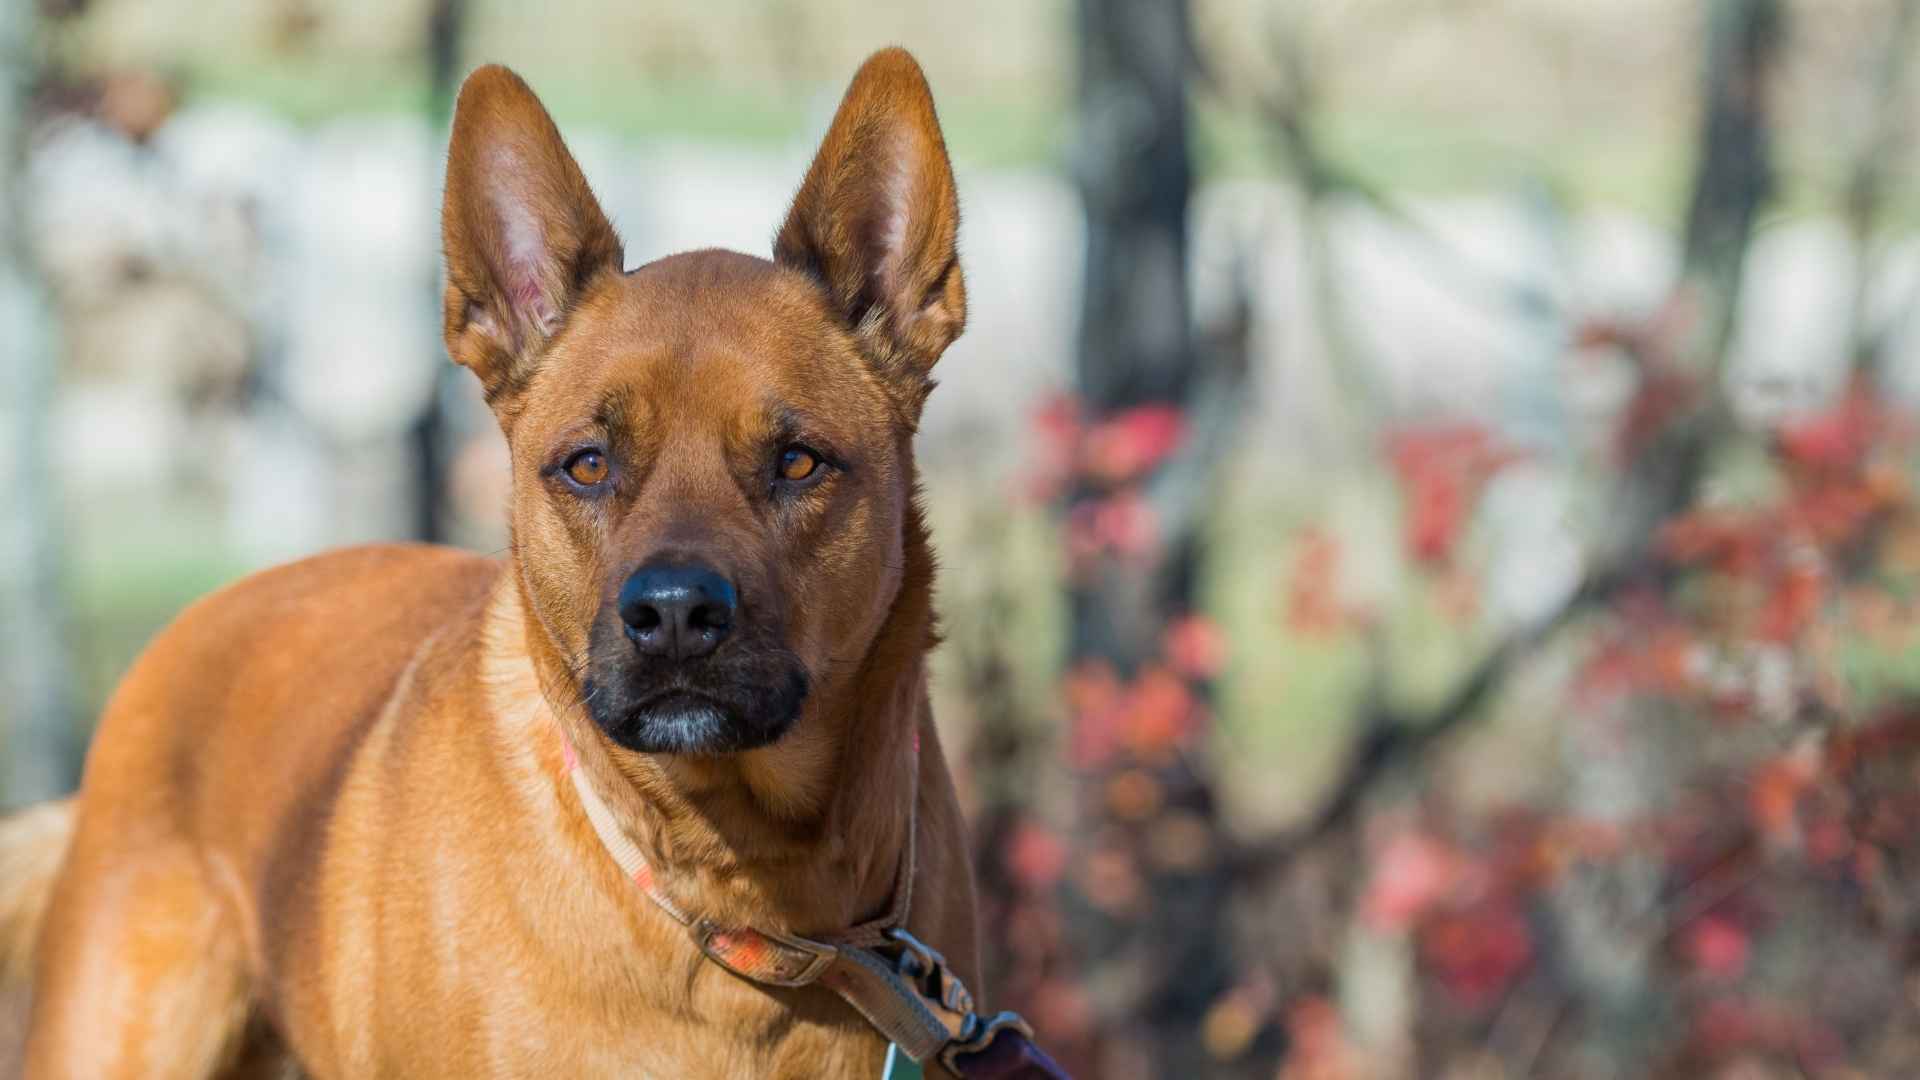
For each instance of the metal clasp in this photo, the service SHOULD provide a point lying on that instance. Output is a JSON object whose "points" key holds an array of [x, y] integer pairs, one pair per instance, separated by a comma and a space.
{"points": [[920, 961], [763, 956]]}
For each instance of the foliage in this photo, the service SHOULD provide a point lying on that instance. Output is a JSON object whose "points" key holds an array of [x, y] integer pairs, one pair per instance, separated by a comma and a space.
{"points": [[1661, 830]]}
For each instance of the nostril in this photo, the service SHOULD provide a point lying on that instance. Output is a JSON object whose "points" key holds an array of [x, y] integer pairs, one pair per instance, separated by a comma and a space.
{"points": [[643, 618], [709, 617]]}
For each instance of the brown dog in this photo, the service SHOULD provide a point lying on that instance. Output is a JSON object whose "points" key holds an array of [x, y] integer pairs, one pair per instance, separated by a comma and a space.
{"points": [[341, 815]]}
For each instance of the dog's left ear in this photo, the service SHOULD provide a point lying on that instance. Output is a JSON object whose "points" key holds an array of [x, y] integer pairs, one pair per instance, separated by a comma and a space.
{"points": [[876, 220]]}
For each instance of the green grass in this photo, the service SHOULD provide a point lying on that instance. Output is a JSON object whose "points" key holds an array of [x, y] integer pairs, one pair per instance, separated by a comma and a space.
{"points": [[1402, 151], [1289, 698], [129, 577], [308, 91], [981, 131]]}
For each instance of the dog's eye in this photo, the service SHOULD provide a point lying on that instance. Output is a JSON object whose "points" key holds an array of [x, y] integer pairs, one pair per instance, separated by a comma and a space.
{"points": [[587, 468], [797, 464]]}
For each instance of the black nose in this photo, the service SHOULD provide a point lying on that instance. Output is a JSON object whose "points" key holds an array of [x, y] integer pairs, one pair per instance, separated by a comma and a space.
{"points": [[677, 612]]}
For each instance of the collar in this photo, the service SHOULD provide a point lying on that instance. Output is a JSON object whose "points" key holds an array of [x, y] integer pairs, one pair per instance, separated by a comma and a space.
{"points": [[901, 986]]}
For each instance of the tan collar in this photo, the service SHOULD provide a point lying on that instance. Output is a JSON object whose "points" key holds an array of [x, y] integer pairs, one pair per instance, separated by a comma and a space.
{"points": [[901, 986]]}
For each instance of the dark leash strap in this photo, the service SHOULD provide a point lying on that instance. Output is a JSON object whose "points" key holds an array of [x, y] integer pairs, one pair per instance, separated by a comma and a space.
{"points": [[902, 987]]}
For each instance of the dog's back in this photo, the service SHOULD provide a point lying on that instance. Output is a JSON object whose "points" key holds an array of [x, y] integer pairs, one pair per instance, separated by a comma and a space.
{"points": [[254, 696]]}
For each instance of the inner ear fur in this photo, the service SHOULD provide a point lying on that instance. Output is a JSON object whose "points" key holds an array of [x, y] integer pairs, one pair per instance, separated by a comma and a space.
{"points": [[877, 219], [522, 232]]}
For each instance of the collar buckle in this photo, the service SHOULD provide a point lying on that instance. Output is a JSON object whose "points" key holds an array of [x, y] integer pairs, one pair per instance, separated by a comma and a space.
{"points": [[763, 956], [922, 965]]}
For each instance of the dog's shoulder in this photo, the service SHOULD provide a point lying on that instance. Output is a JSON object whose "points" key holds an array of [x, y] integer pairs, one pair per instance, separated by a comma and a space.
{"points": [[290, 655]]}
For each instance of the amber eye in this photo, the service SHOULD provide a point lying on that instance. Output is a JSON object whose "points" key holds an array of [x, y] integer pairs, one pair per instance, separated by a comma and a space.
{"points": [[797, 463], [587, 468]]}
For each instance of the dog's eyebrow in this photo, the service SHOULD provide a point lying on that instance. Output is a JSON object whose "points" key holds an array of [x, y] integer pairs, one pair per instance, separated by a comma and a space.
{"points": [[789, 425], [615, 412]]}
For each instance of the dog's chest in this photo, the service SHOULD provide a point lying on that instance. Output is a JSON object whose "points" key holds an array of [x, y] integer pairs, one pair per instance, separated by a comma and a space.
{"points": [[547, 973], [671, 1022]]}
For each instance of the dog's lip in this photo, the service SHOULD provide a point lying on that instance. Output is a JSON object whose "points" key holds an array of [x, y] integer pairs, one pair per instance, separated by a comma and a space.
{"points": [[677, 696]]}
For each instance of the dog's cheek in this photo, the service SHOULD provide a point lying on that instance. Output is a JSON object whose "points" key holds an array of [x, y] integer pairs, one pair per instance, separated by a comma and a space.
{"points": [[855, 575], [559, 555]]}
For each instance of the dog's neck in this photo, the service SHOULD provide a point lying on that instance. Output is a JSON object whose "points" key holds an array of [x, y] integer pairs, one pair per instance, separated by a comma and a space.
{"points": [[804, 836]]}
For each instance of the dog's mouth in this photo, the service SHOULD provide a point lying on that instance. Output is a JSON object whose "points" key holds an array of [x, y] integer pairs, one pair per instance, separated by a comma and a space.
{"points": [[681, 719], [745, 694]]}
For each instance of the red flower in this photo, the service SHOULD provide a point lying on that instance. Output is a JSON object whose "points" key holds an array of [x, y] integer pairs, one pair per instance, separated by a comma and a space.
{"points": [[1773, 795], [1036, 856], [1095, 702], [1727, 540], [1122, 525], [1410, 876], [1794, 600], [1056, 423], [1313, 603], [1162, 711], [1318, 1048], [1442, 471], [1837, 439], [1114, 452], [1717, 947], [1128, 445], [1477, 953], [1196, 647]]}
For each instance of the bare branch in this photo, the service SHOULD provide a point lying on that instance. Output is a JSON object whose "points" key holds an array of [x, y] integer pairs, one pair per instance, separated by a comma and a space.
{"points": [[1733, 179], [1390, 738]]}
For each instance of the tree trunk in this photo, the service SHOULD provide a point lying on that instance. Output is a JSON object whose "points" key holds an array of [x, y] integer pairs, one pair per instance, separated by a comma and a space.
{"points": [[432, 437], [41, 748], [1621, 753], [1734, 175], [1145, 899]]}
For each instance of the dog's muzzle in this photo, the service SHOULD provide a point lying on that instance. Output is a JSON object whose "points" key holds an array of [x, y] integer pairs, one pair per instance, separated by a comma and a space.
{"points": [[679, 666]]}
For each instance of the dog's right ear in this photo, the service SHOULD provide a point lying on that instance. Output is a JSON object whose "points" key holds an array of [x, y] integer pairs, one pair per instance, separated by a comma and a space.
{"points": [[522, 231]]}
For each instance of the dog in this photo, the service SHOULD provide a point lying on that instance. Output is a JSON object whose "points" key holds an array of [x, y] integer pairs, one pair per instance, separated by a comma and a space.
{"points": [[658, 793]]}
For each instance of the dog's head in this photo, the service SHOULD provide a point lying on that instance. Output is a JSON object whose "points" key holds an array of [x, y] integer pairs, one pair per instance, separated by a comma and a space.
{"points": [[712, 453]]}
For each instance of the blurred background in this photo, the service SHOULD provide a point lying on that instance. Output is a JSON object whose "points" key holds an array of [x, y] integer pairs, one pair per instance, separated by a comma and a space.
{"points": [[1430, 557]]}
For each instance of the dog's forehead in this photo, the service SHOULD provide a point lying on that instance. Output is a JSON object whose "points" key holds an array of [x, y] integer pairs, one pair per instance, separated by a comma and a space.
{"points": [[722, 337]]}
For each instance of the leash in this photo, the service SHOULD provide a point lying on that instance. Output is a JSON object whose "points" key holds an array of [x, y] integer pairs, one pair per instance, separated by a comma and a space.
{"points": [[904, 988]]}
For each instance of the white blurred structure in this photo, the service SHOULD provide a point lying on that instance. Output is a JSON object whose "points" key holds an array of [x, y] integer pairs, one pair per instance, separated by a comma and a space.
{"points": [[244, 307]]}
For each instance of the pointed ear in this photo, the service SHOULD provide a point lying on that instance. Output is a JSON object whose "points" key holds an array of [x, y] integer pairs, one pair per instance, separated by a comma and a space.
{"points": [[876, 219], [522, 231]]}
